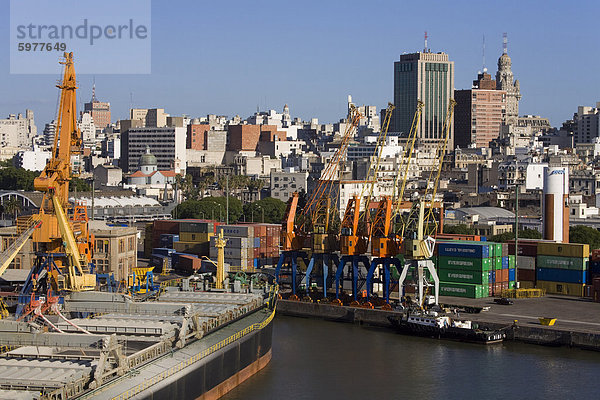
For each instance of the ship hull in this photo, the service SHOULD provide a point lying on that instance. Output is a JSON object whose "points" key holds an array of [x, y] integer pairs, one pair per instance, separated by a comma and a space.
{"points": [[219, 373]]}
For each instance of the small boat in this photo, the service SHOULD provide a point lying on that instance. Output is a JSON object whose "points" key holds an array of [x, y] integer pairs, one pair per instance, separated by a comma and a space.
{"points": [[442, 326]]}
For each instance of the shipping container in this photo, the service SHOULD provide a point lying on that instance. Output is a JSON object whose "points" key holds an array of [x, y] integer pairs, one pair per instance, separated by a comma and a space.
{"points": [[234, 242], [579, 264], [526, 275], [505, 251], [471, 250], [526, 284], [237, 230], [497, 262], [512, 261], [526, 248], [201, 249], [463, 290], [594, 267], [569, 289], [512, 284], [195, 237], [512, 276], [476, 277], [196, 226], [560, 275], [464, 263], [525, 262], [502, 275], [504, 262], [163, 251], [564, 249], [189, 263]]}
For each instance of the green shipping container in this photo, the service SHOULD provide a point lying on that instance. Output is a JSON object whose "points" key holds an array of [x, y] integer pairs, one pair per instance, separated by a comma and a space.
{"points": [[496, 250], [512, 285], [512, 261], [575, 263], [497, 262], [467, 290], [464, 263], [462, 276]]}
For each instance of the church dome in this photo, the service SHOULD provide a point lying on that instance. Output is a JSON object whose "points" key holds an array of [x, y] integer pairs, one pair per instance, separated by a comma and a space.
{"points": [[148, 159]]}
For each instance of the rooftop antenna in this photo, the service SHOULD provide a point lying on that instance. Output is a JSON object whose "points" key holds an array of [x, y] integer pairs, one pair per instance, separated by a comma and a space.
{"points": [[425, 48], [484, 69], [504, 43]]}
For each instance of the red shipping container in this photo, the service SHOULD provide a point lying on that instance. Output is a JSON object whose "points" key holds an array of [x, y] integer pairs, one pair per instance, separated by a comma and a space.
{"points": [[497, 288], [526, 248], [491, 289], [526, 275], [504, 285]]}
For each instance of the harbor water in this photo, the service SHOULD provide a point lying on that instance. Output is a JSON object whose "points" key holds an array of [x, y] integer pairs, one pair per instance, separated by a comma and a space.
{"points": [[315, 359]]}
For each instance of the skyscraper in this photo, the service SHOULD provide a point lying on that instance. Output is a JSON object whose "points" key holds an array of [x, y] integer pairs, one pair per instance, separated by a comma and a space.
{"points": [[479, 112], [100, 111], [428, 77]]}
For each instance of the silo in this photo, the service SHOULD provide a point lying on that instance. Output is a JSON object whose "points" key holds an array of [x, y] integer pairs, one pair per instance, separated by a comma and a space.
{"points": [[555, 204]]}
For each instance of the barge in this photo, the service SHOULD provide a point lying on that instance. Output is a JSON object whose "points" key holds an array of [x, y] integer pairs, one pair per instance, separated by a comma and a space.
{"points": [[183, 345]]}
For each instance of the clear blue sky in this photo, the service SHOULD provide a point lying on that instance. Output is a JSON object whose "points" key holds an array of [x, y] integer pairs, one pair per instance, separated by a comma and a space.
{"points": [[228, 57]]}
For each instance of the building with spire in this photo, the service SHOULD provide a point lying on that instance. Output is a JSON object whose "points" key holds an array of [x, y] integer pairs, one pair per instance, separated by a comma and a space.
{"points": [[506, 81], [100, 111]]}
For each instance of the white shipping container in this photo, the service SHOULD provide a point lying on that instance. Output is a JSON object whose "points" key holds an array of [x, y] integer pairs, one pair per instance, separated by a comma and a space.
{"points": [[245, 231], [524, 262]]}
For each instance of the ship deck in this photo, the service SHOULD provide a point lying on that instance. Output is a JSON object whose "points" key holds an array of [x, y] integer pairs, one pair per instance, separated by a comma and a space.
{"points": [[125, 345]]}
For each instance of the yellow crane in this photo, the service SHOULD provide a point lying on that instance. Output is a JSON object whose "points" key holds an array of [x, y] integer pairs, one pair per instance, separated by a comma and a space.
{"points": [[63, 241], [421, 225]]}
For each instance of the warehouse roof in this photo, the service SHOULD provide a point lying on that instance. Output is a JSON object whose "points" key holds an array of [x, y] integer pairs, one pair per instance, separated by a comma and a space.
{"points": [[487, 212]]}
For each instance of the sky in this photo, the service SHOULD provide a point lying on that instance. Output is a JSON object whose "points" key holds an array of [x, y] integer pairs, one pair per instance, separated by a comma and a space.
{"points": [[230, 57]]}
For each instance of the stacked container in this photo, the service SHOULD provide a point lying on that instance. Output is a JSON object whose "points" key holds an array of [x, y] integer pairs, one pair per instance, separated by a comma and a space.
{"points": [[194, 236], [562, 268], [464, 268], [526, 262], [239, 251]]}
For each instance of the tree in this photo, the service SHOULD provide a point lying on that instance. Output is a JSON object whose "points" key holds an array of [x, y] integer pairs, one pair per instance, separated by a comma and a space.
{"points": [[461, 229], [209, 208], [12, 178], [79, 185], [585, 234], [12, 206], [272, 208]]}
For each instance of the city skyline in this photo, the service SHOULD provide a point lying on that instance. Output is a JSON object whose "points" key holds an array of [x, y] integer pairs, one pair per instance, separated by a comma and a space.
{"points": [[314, 64]]}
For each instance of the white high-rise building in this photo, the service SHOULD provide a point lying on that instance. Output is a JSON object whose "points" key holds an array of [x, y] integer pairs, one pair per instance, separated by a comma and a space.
{"points": [[17, 131], [87, 127]]}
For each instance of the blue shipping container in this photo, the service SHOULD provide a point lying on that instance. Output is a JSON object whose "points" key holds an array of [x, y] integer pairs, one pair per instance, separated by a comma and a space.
{"points": [[561, 275], [512, 275], [256, 242], [505, 262], [464, 250], [162, 251]]}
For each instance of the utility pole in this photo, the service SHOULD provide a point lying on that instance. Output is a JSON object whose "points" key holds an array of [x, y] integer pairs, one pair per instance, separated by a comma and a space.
{"points": [[227, 200], [93, 192]]}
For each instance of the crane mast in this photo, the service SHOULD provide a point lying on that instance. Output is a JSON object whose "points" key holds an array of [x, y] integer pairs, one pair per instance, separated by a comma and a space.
{"points": [[63, 240]]}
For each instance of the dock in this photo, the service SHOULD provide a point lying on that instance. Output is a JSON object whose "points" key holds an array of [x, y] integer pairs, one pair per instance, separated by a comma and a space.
{"points": [[578, 320]]}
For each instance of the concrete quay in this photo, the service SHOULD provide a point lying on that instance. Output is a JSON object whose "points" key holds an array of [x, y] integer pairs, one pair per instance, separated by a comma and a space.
{"points": [[577, 320]]}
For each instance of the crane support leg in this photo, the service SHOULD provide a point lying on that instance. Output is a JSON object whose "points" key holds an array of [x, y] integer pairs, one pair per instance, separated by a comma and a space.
{"points": [[325, 272], [376, 261], [338, 275], [309, 269]]}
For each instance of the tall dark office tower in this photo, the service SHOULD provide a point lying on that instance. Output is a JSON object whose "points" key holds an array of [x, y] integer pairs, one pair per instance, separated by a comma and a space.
{"points": [[428, 77]]}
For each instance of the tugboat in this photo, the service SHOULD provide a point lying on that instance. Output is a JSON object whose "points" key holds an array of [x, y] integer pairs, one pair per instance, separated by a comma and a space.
{"points": [[432, 324]]}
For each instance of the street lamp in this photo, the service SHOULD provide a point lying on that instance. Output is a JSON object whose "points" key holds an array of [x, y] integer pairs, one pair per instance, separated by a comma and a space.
{"points": [[263, 214]]}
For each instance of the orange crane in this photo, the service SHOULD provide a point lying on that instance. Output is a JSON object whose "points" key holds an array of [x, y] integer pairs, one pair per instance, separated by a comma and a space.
{"points": [[354, 232], [63, 241], [314, 220]]}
